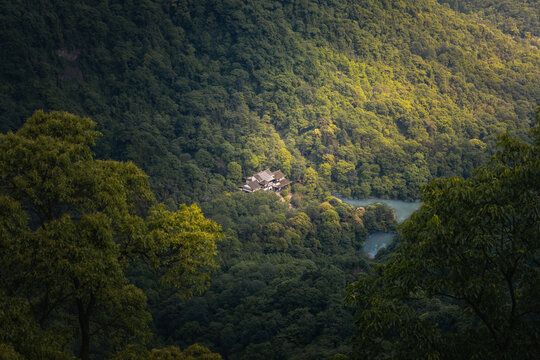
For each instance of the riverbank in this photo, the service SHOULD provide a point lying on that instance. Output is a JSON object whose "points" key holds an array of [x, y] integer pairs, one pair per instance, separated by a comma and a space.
{"points": [[377, 240], [402, 209]]}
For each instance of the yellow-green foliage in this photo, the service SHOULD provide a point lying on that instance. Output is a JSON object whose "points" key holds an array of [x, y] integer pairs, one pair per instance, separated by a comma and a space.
{"points": [[70, 227], [185, 88], [464, 282]]}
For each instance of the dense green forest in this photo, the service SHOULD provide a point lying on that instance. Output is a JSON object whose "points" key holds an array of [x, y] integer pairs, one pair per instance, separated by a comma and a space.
{"points": [[378, 97], [279, 293], [464, 282], [70, 229], [352, 97], [88, 259], [517, 18]]}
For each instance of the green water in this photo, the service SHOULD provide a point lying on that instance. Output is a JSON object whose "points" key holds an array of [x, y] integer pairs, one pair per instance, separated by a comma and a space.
{"points": [[378, 240], [402, 209]]}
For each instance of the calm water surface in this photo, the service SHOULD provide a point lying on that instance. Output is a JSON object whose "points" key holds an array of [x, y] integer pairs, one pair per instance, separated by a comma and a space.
{"points": [[379, 239], [402, 209]]}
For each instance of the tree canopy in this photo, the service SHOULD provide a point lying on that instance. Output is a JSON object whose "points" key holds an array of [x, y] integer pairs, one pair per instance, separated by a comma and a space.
{"points": [[356, 97], [465, 282], [378, 97], [70, 227]]}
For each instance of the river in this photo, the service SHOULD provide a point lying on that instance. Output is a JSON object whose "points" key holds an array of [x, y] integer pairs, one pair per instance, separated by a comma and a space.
{"points": [[379, 239]]}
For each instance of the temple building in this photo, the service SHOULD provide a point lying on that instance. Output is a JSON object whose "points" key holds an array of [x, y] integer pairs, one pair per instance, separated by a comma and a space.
{"points": [[266, 180]]}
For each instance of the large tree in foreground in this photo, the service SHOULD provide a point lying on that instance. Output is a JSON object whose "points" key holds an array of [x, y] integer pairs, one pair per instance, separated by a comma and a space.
{"points": [[465, 283], [70, 226]]}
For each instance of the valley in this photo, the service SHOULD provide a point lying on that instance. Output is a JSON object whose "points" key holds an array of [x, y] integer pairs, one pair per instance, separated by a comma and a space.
{"points": [[143, 144]]}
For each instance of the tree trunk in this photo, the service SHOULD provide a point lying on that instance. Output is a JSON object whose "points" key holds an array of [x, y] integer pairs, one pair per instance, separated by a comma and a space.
{"points": [[84, 323]]}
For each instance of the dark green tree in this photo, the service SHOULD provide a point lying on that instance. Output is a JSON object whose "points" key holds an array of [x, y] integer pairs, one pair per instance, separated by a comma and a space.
{"points": [[465, 282], [70, 227]]}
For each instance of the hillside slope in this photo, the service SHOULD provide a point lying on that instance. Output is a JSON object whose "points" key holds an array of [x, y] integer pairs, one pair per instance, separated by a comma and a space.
{"points": [[517, 18], [377, 96]]}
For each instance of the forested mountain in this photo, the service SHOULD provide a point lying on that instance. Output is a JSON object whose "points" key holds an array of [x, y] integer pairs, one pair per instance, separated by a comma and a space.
{"points": [[356, 97], [518, 18], [377, 96]]}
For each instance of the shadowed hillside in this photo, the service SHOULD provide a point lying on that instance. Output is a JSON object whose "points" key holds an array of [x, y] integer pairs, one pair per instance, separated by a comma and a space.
{"points": [[377, 97]]}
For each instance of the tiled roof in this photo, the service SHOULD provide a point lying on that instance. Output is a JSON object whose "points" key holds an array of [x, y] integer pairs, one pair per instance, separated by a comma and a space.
{"points": [[278, 175], [284, 182], [253, 185], [265, 175]]}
